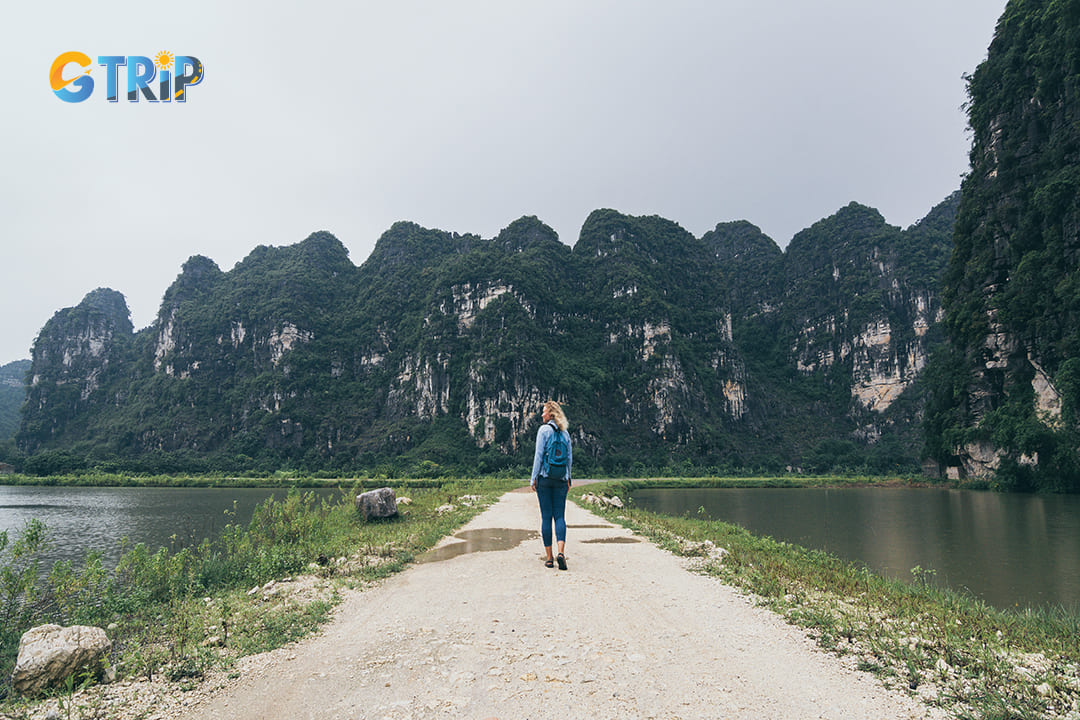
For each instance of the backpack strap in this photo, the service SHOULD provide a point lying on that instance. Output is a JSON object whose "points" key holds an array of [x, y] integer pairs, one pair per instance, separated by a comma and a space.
{"points": [[551, 439]]}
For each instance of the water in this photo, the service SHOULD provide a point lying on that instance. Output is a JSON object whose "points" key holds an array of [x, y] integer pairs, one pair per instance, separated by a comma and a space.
{"points": [[1009, 550], [481, 540], [83, 519]]}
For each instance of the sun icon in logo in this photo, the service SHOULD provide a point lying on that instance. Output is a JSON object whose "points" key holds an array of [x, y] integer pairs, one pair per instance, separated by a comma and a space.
{"points": [[163, 60]]}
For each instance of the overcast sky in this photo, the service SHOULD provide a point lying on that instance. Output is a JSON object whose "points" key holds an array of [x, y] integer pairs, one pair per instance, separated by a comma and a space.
{"points": [[461, 115]]}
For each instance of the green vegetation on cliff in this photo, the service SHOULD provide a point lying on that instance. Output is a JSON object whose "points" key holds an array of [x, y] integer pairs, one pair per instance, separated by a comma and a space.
{"points": [[1006, 395], [12, 395], [433, 357]]}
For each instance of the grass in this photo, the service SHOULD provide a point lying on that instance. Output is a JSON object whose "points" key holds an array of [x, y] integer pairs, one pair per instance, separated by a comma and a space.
{"points": [[950, 649], [285, 480], [180, 614]]}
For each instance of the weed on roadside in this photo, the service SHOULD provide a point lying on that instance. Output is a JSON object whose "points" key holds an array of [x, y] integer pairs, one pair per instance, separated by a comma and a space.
{"points": [[949, 649], [177, 615]]}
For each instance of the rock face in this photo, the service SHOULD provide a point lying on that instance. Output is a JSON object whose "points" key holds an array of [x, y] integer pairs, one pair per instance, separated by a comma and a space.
{"points": [[376, 504], [12, 395], [439, 350], [77, 354], [840, 325], [1006, 394], [858, 302], [49, 654]]}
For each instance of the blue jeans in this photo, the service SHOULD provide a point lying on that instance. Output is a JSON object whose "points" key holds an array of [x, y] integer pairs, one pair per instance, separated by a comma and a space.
{"points": [[552, 497]]}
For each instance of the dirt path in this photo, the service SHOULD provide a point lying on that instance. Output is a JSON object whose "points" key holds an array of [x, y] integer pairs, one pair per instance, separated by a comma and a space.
{"points": [[626, 632]]}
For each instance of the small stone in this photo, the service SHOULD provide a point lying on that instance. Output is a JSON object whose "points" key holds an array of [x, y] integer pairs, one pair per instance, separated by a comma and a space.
{"points": [[1044, 690]]}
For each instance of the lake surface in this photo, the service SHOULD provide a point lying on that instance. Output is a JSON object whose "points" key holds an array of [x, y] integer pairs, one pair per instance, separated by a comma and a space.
{"points": [[83, 519], [1009, 550]]}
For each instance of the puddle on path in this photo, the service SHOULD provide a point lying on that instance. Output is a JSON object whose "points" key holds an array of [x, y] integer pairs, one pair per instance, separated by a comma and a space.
{"points": [[613, 541], [591, 527], [483, 540]]}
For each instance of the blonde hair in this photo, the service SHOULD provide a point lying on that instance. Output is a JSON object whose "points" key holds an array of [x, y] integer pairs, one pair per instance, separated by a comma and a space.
{"points": [[555, 411]]}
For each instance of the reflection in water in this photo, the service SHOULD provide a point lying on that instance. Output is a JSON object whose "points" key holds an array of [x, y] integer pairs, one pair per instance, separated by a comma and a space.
{"points": [[1010, 550], [483, 540]]}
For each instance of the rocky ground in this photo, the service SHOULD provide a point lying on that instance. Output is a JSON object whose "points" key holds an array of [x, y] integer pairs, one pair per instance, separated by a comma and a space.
{"points": [[486, 631]]}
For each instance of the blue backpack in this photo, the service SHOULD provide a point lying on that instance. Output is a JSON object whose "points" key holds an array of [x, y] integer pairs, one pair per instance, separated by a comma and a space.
{"points": [[557, 454]]}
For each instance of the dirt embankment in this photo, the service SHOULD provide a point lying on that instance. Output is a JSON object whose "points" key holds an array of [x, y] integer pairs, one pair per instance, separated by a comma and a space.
{"points": [[484, 630], [625, 632]]}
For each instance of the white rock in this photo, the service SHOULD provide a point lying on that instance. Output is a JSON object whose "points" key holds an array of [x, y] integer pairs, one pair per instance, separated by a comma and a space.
{"points": [[49, 654], [381, 503]]}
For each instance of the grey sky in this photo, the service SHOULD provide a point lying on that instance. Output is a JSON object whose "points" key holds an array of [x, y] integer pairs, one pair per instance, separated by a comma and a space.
{"points": [[461, 115]]}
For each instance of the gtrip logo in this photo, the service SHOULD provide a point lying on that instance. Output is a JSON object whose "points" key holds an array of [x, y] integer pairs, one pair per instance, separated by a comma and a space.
{"points": [[171, 75]]}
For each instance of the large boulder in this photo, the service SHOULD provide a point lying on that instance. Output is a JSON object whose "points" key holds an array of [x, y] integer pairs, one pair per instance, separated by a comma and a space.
{"points": [[379, 503], [49, 654]]}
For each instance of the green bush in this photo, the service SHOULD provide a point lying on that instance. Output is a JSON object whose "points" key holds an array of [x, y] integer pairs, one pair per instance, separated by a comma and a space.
{"points": [[156, 597]]}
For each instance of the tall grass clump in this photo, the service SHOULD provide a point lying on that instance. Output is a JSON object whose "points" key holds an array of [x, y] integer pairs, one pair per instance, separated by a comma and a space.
{"points": [[181, 610], [950, 649]]}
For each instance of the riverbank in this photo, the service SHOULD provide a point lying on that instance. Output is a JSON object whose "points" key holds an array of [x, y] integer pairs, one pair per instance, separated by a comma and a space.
{"points": [[962, 659], [182, 614], [626, 632], [291, 480], [276, 481], [949, 648]]}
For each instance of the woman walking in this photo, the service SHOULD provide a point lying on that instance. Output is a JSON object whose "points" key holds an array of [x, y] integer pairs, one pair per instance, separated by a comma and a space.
{"points": [[551, 479]]}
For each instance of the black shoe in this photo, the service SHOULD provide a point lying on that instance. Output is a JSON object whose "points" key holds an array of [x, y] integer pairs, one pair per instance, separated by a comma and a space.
{"points": [[562, 561], [549, 563]]}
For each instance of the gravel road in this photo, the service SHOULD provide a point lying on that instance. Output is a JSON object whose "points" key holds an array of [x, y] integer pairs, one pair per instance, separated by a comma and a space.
{"points": [[626, 632]]}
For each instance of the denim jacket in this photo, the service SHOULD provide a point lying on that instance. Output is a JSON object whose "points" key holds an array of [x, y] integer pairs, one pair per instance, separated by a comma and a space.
{"points": [[543, 436]]}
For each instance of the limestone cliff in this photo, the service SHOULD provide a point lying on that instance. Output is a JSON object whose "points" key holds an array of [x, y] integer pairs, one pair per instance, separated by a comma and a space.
{"points": [[438, 351], [12, 395], [1006, 396], [72, 362]]}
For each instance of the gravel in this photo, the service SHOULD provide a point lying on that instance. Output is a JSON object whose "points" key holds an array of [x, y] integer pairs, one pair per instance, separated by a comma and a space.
{"points": [[626, 632]]}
